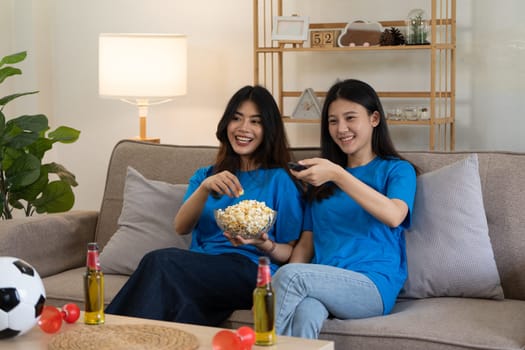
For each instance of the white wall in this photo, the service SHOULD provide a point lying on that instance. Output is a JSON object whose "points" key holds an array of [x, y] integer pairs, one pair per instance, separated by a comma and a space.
{"points": [[6, 29], [61, 37]]}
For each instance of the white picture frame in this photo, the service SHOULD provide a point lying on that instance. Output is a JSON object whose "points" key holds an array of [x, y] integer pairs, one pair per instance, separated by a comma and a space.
{"points": [[290, 28], [308, 106]]}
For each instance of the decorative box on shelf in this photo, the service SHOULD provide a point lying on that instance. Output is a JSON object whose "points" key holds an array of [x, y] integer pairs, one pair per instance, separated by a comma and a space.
{"points": [[324, 37]]}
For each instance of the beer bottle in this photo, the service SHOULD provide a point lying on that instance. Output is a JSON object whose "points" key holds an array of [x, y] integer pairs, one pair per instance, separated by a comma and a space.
{"points": [[93, 287], [264, 305]]}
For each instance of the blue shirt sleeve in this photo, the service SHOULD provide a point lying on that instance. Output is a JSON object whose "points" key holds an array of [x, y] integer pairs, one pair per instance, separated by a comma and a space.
{"points": [[402, 185], [196, 180]]}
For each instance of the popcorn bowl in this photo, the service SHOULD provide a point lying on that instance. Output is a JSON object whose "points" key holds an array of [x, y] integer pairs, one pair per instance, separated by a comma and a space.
{"points": [[248, 219]]}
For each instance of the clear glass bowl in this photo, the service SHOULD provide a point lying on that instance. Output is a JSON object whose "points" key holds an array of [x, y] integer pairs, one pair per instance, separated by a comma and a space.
{"points": [[250, 228]]}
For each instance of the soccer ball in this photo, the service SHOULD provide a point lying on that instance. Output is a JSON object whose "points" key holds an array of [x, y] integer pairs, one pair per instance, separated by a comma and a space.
{"points": [[22, 297]]}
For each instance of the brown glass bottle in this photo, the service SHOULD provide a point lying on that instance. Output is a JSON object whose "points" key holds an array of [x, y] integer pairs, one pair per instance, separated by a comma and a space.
{"points": [[264, 305], [93, 287]]}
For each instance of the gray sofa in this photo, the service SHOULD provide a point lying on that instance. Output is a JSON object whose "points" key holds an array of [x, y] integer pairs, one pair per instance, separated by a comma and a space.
{"points": [[56, 244]]}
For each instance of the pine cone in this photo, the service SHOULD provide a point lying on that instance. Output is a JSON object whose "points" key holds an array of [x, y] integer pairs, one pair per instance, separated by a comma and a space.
{"points": [[399, 38], [391, 37], [386, 38]]}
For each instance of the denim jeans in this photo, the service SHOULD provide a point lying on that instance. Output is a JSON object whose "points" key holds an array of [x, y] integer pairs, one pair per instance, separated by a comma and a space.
{"points": [[307, 294]]}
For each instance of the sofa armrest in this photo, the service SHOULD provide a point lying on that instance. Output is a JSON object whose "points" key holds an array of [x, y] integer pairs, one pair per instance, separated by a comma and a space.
{"points": [[51, 243]]}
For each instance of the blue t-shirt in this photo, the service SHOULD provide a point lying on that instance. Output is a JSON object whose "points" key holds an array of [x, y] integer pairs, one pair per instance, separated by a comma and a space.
{"points": [[347, 236], [272, 186]]}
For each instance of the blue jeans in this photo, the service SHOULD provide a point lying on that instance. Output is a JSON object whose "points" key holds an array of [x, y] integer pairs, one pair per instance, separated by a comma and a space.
{"points": [[306, 294]]}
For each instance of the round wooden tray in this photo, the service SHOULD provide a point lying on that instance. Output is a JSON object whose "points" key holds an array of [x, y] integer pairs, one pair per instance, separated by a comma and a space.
{"points": [[115, 337]]}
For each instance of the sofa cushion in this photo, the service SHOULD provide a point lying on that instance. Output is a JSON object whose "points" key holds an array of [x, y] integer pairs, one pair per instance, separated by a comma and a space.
{"points": [[51, 243], [67, 286], [430, 324], [448, 247], [145, 223], [156, 161]]}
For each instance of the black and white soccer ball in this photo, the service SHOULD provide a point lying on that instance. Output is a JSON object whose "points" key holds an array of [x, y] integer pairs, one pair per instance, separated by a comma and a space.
{"points": [[22, 297]]}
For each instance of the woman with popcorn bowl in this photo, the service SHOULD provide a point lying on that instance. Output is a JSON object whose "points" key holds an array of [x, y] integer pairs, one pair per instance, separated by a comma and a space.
{"points": [[217, 275]]}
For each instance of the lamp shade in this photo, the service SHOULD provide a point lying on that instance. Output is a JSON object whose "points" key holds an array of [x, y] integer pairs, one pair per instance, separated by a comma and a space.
{"points": [[142, 66]]}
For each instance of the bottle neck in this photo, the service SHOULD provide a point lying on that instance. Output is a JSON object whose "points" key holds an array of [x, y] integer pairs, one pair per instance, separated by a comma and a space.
{"points": [[263, 276], [93, 262]]}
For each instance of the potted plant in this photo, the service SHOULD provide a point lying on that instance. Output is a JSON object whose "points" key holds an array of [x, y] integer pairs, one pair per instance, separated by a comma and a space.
{"points": [[26, 182]]}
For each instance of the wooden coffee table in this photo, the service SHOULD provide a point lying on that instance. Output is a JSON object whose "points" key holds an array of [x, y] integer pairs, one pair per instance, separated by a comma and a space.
{"points": [[36, 339]]}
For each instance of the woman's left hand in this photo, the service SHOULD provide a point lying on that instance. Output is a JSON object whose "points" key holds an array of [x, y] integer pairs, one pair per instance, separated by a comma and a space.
{"points": [[238, 240]]}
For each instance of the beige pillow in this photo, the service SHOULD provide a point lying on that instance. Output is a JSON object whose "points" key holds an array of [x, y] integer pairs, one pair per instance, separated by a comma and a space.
{"points": [[448, 245], [145, 223]]}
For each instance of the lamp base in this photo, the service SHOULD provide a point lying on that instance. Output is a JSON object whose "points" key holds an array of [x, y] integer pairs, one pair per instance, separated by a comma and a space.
{"points": [[147, 139]]}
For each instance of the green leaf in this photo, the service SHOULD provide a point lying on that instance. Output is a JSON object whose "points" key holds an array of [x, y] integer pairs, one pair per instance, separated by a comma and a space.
{"points": [[9, 157], [64, 134], [24, 130], [35, 123], [30, 192], [57, 197], [10, 132], [40, 147], [64, 174], [24, 171], [4, 100], [22, 140], [7, 72], [14, 58]]}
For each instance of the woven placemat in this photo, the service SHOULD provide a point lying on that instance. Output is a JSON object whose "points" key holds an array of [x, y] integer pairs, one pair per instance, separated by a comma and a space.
{"points": [[113, 337]]}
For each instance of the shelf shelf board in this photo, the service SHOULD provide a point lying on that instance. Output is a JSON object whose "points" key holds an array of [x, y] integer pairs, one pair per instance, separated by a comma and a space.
{"points": [[446, 120], [438, 46], [384, 94], [345, 48], [287, 119], [384, 24]]}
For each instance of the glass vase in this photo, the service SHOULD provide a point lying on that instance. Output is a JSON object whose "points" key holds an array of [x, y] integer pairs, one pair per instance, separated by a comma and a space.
{"points": [[416, 27]]}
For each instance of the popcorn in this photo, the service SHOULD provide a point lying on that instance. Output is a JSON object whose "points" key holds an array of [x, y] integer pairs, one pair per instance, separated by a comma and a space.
{"points": [[248, 218]]}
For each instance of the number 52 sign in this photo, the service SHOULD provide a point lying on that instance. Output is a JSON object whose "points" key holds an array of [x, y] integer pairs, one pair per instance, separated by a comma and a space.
{"points": [[323, 38]]}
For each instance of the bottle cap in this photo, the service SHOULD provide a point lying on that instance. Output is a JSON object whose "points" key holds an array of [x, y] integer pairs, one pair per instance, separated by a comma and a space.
{"points": [[264, 260], [92, 246]]}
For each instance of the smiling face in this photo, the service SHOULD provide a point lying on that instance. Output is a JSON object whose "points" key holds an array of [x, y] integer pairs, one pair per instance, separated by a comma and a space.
{"points": [[351, 127], [245, 132]]}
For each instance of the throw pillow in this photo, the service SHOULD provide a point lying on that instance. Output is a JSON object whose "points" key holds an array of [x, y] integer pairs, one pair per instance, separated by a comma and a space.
{"points": [[145, 223], [448, 247]]}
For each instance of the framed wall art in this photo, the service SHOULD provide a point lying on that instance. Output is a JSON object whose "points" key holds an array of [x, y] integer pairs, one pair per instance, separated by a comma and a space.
{"points": [[290, 28]]}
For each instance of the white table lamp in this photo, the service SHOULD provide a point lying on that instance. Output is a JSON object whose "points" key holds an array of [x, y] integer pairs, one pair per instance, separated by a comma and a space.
{"points": [[142, 69]]}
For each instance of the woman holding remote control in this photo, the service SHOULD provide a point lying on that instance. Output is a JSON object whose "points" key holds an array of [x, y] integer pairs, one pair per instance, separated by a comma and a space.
{"points": [[350, 261]]}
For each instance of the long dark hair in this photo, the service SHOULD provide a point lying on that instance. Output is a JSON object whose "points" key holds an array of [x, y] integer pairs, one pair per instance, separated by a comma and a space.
{"points": [[361, 93], [273, 151]]}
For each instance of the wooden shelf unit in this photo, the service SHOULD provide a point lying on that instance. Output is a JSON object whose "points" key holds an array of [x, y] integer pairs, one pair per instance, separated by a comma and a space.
{"points": [[441, 92]]}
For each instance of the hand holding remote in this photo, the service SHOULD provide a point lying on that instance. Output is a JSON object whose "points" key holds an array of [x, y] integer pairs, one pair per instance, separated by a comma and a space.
{"points": [[296, 166]]}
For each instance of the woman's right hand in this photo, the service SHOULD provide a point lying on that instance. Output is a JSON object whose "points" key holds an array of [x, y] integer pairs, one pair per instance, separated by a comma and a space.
{"points": [[188, 215], [223, 183], [318, 171]]}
